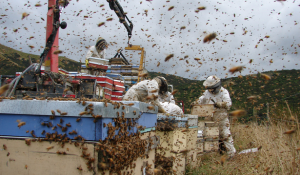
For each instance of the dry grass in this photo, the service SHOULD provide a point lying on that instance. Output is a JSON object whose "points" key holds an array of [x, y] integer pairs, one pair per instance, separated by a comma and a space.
{"points": [[278, 153]]}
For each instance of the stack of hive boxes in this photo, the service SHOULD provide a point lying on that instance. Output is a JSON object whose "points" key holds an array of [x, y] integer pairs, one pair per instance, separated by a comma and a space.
{"points": [[178, 137], [130, 80], [117, 90], [129, 72], [173, 133], [98, 69], [114, 88], [103, 66], [97, 64], [192, 158], [208, 130], [107, 84], [118, 61]]}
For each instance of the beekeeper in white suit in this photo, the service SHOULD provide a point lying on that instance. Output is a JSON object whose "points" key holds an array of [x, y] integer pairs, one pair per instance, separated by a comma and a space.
{"points": [[148, 91], [98, 50], [216, 94]]}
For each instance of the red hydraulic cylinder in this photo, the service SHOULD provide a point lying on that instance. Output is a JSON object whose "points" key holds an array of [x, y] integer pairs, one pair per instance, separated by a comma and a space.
{"points": [[51, 60], [182, 104]]}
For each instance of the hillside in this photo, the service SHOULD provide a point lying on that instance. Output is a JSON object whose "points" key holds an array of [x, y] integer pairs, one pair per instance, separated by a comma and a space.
{"points": [[12, 61], [284, 85]]}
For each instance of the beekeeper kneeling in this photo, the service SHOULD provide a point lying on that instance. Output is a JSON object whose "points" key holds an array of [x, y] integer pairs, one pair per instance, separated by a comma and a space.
{"points": [[148, 91]]}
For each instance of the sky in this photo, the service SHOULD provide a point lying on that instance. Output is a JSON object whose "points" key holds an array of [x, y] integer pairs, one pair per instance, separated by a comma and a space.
{"points": [[260, 35]]}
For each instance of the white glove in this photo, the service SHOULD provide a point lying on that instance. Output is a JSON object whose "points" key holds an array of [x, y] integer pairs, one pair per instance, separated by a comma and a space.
{"points": [[193, 103], [220, 104], [161, 110]]}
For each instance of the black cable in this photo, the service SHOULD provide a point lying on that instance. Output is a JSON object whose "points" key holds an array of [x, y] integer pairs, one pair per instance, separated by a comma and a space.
{"points": [[51, 38]]}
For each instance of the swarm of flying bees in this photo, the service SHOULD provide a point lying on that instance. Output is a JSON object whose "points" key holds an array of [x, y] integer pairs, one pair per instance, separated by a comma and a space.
{"points": [[265, 76], [24, 15], [236, 69], [57, 52], [109, 19], [169, 57], [170, 8], [119, 145], [3, 89], [238, 113], [209, 37], [101, 24]]}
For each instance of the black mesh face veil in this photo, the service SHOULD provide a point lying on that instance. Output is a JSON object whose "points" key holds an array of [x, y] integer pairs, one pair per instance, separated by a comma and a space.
{"points": [[215, 88], [101, 45], [164, 86]]}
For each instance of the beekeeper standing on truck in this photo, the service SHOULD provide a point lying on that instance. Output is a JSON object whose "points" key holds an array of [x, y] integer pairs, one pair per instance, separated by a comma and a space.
{"points": [[219, 96], [148, 91], [98, 50]]}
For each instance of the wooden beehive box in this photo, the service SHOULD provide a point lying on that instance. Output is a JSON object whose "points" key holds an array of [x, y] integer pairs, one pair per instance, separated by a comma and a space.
{"points": [[179, 163], [192, 120], [19, 158], [200, 146], [172, 141], [35, 159], [204, 110], [211, 129], [191, 158], [211, 145], [201, 125], [191, 138], [141, 162]]}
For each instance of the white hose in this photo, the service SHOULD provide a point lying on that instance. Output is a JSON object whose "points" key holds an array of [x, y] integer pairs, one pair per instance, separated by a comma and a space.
{"points": [[17, 79]]}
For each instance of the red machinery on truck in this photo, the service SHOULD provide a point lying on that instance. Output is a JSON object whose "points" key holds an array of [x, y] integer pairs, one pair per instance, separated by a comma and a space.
{"points": [[48, 82]]}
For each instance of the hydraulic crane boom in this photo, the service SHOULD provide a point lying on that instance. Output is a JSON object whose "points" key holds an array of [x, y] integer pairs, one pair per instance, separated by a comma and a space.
{"points": [[115, 5]]}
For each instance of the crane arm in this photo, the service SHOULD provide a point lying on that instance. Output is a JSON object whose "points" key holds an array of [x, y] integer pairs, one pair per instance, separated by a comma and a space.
{"points": [[115, 5]]}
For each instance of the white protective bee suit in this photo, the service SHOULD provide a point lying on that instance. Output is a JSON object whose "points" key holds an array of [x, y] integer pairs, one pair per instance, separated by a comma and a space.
{"points": [[92, 52], [145, 91], [168, 103], [98, 50], [172, 108], [166, 97], [222, 101]]}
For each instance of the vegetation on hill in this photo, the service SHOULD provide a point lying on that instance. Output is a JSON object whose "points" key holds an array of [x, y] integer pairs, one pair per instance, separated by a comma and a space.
{"points": [[12, 61], [283, 85]]}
